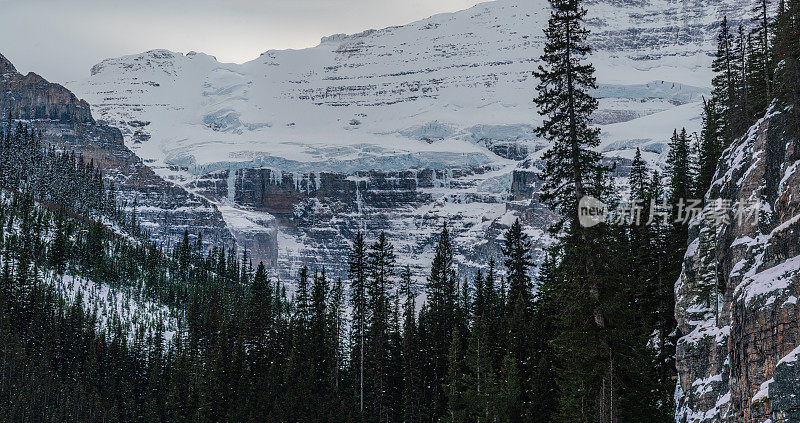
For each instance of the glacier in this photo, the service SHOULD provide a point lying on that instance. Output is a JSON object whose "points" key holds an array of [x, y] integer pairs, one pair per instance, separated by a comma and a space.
{"points": [[403, 128]]}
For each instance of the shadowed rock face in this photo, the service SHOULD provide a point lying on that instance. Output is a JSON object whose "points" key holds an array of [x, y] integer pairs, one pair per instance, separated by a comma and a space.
{"points": [[737, 357], [6, 66], [32, 97], [325, 210], [66, 122]]}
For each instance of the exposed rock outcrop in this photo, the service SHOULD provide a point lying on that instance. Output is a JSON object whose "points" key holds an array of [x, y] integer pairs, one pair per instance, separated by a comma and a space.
{"points": [[31, 97], [737, 356], [165, 209], [324, 210]]}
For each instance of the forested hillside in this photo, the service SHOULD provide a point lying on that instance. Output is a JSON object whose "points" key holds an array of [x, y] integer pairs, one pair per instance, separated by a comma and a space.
{"points": [[230, 345], [218, 341], [100, 323]]}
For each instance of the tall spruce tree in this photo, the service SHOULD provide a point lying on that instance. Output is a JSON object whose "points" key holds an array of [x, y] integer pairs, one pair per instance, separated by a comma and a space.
{"points": [[440, 322], [763, 50], [480, 378], [680, 167], [638, 179], [564, 99], [358, 273], [544, 328], [599, 344], [725, 81], [661, 273], [565, 102], [412, 389], [380, 290], [755, 82], [517, 249], [303, 298], [711, 146], [740, 118], [336, 307], [321, 344], [518, 263], [496, 299]]}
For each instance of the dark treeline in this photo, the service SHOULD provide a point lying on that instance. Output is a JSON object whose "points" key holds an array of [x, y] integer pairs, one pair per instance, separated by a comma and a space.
{"points": [[242, 351], [589, 335], [487, 349], [757, 64], [64, 179]]}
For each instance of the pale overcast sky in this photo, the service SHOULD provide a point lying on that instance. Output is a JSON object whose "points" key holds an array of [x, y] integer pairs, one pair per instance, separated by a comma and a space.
{"points": [[62, 39]]}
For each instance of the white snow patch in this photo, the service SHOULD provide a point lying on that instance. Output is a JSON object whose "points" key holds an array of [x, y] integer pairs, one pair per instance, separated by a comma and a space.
{"points": [[770, 280]]}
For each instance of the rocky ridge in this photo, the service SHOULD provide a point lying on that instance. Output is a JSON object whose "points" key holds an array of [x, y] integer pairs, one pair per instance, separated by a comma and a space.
{"points": [[163, 208]]}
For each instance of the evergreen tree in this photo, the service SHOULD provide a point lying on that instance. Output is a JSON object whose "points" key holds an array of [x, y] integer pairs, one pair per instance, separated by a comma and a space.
{"points": [[679, 168], [518, 263], [680, 183], [457, 386], [482, 352], [260, 304], [358, 301], [496, 299], [381, 261], [440, 313], [638, 179], [741, 118], [58, 252], [656, 298], [564, 100], [725, 81], [517, 249], [711, 146], [757, 63], [412, 389], [599, 344], [321, 345], [336, 310], [509, 391], [787, 57], [544, 328], [762, 53], [303, 299]]}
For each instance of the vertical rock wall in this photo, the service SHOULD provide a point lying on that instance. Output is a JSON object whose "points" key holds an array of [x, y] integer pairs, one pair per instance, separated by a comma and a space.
{"points": [[737, 355]]}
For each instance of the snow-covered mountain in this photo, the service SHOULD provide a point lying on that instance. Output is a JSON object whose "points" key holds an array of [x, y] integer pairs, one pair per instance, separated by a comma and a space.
{"points": [[403, 127]]}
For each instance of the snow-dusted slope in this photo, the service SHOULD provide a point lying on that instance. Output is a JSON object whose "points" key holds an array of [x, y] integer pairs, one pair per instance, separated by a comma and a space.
{"points": [[379, 92], [451, 92]]}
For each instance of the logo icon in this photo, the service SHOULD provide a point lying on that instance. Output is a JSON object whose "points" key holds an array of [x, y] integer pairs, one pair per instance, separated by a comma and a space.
{"points": [[591, 211]]}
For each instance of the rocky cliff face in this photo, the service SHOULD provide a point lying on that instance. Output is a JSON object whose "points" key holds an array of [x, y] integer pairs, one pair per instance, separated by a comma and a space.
{"points": [[31, 97], [66, 122], [736, 300], [325, 210]]}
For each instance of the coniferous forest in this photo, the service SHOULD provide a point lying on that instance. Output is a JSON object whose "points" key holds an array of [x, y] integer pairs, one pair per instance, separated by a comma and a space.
{"points": [[586, 335]]}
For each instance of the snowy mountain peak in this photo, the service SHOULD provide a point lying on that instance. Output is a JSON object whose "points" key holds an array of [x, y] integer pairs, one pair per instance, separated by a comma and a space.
{"points": [[444, 102], [361, 93]]}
